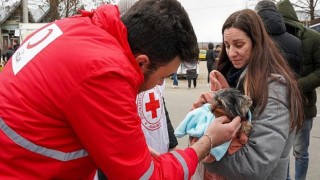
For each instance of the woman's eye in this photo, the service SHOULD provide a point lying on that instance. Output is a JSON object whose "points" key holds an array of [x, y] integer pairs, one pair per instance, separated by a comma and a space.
{"points": [[239, 45]]}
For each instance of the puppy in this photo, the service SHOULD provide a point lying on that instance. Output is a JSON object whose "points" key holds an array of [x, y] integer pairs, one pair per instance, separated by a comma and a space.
{"points": [[231, 102]]}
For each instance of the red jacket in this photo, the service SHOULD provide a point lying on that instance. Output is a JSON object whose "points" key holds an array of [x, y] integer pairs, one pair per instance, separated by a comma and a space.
{"points": [[68, 106]]}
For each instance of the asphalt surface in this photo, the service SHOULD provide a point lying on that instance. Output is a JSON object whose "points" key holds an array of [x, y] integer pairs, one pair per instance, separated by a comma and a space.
{"points": [[179, 101]]}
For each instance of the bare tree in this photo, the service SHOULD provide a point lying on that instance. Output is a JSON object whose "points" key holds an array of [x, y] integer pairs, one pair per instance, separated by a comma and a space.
{"points": [[69, 7], [308, 7], [54, 13], [66, 8]]}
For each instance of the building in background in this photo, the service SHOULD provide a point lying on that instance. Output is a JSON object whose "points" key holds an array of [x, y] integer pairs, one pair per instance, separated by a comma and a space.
{"points": [[11, 14], [38, 11]]}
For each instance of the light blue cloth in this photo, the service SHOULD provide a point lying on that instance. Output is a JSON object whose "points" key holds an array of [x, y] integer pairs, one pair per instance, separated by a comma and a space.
{"points": [[196, 123]]}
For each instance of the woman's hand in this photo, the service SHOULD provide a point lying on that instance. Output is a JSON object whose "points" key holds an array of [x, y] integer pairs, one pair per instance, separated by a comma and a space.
{"points": [[203, 99], [237, 142], [217, 81]]}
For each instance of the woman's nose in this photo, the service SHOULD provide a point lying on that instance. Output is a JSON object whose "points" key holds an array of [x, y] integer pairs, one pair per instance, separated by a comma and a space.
{"points": [[232, 52]]}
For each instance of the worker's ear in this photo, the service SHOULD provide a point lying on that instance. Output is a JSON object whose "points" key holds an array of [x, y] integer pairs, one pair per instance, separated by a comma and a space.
{"points": [[143, 61]]}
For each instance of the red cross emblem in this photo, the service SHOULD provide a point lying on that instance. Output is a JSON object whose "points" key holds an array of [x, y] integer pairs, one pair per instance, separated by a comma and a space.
{"points": [[153, 105]]}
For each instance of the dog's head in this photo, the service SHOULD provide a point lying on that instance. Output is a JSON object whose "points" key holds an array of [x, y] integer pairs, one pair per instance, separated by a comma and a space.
{"points": [[231, 102]]}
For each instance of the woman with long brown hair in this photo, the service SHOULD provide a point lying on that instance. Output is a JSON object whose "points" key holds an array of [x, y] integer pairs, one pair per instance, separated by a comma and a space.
{"points": [[252, 63]]}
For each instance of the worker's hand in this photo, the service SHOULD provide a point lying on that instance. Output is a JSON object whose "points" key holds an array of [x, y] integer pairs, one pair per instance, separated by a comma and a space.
{"points": [[222, 130], [209, 158], [153, 152], [217, 81], [203, 99]]}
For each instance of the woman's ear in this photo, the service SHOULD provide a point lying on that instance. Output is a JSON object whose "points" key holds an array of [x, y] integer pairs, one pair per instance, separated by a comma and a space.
{"points": [[143, 61]]}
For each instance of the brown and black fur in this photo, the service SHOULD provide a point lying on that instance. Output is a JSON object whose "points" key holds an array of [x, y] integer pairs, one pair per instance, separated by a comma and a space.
{"points": [[231, 102]]}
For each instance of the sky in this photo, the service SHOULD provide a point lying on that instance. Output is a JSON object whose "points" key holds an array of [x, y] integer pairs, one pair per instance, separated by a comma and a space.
{"points": [[208, 16]]}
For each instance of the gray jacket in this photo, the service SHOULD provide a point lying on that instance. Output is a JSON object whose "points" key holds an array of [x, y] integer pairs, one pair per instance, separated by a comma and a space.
{"points": [[266, 155]]}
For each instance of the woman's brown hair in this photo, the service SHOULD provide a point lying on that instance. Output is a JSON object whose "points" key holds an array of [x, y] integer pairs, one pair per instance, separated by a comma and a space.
{"points": [[265, 60]]}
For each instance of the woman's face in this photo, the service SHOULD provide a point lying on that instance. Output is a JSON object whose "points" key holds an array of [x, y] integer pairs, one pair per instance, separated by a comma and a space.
{"points": [[238, 46]]}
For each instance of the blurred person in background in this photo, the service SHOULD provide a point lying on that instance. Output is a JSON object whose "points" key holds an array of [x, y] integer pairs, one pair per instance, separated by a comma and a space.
{"points": [[211, 56], [10, 51], [308, 82], [290, 46], [16, 44], [175, 80]]}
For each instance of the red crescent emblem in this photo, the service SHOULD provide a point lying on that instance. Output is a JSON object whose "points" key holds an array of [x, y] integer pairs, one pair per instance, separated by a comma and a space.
{"points": [[29, 46]]}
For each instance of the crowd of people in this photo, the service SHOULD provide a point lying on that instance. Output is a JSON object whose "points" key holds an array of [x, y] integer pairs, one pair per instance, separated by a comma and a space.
{"points": [[98, 111]]}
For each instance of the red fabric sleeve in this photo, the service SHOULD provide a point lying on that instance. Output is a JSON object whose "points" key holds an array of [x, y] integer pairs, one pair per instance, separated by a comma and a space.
{"points": [[167, 166]]}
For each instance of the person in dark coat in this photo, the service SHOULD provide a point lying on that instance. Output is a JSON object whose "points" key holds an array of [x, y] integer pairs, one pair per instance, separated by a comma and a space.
{"points": [[309, 81], [10, 51], [4, 55], [210, 58], [16, 44], [289, 45]]}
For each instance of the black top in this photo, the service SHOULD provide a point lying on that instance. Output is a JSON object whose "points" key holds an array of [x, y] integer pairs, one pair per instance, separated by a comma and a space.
{"points": [[289, 45]]}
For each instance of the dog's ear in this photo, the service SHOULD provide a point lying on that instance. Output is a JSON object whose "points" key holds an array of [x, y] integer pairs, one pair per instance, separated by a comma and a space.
{"points": [[219, 112], [248, 101], [242, 105]]}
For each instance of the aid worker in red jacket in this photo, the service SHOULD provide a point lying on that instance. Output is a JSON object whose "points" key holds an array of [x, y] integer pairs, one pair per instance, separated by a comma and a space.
{"points": [[67, 96]]}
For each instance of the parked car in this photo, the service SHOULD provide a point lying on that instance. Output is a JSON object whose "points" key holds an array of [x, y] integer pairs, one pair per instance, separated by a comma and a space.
{"points": [[315, 27], [202, 54]]}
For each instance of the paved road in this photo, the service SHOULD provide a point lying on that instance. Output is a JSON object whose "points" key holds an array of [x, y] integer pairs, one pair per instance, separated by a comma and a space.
{"points": [[179, 102]]}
